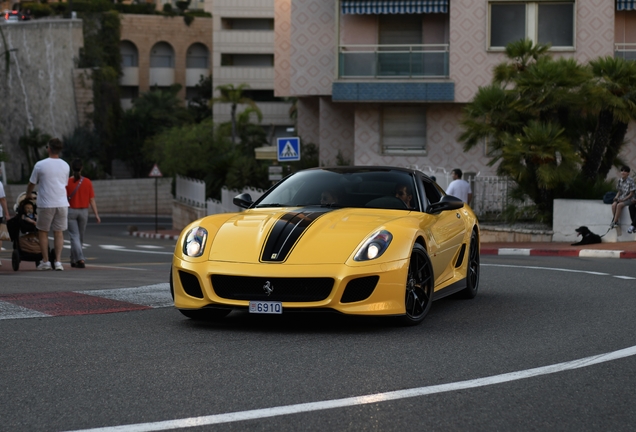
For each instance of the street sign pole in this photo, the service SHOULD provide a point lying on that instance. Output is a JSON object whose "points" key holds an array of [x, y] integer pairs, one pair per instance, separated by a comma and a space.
{"points": [[154, 172], [156, 205]]}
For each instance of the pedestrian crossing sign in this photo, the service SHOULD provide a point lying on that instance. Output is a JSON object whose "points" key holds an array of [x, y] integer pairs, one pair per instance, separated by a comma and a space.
{"points": [[288, 149]]}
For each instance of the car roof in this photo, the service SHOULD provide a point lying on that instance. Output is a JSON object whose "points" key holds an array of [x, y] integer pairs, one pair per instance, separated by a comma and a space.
{"points": [[361, 168]]}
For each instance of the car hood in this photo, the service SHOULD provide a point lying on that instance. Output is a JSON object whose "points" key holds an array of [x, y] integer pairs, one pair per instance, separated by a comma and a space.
{"points": [[297, 236]]}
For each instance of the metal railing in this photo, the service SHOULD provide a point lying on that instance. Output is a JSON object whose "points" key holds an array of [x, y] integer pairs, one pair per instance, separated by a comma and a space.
{"points": [[393, 61], [227, 196], [626, 51]]}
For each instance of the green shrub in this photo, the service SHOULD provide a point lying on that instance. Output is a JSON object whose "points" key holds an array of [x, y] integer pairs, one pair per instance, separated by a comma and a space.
{"points": [[139, 9], [38, 10]]}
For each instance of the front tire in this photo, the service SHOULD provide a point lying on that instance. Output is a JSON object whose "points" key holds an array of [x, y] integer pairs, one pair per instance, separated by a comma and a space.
{"points": [[472, 270], [419, 287]]}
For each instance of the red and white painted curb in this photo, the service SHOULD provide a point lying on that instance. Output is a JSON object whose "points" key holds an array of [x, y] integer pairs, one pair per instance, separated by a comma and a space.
{"points": [[68, 303], [582, 253]]}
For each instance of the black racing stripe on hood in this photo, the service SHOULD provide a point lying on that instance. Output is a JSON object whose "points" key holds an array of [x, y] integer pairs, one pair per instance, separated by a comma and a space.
{"points": [[287, 230]]}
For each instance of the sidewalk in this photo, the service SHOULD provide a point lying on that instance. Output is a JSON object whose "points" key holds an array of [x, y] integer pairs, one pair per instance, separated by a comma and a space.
{"points": [[601, 250]]}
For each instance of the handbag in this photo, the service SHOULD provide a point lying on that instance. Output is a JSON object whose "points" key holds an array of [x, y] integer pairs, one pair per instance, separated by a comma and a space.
{"points": [[4, 232], [76, 188]]}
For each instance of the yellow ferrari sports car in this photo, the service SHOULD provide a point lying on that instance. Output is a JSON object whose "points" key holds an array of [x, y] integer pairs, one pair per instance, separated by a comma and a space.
{"points": [[380, 241]]}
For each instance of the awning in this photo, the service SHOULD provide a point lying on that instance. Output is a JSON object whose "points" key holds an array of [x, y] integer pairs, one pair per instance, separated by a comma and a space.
{"points": [[368, 7], [625, 4]]}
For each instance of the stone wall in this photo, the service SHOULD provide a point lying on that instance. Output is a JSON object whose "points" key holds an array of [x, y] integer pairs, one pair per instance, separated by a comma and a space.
{"points": [[37, 90], [120, 197]]}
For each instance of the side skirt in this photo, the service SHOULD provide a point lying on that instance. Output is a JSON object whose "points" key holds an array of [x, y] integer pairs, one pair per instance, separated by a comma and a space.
{"points": [[449, 290]]}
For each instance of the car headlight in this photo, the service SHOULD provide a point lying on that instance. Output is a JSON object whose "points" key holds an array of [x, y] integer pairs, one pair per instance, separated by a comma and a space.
{"points": [[375, 246], [195, 242]]}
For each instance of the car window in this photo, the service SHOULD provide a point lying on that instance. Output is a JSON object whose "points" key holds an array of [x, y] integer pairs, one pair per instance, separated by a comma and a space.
{"points": [[372, 188], [431, 190]]}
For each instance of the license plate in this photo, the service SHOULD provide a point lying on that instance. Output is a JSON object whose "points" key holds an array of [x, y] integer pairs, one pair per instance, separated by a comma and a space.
{"points": [[266, 307]]}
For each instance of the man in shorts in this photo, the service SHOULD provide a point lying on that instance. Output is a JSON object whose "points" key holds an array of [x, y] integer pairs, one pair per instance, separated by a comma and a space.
{"points": [[51, 174]]}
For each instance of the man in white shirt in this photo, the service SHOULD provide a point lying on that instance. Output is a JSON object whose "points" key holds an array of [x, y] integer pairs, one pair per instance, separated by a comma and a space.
{"points": [[51, 175], [4, 211], [459, 188]]}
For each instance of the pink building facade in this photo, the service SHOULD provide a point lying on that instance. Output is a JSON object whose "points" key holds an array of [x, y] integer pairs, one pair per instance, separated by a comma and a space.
{"points": [[376, 87]]}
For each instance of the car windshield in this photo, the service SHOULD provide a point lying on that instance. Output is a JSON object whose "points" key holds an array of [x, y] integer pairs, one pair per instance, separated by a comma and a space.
{"points": [[342, 187]]}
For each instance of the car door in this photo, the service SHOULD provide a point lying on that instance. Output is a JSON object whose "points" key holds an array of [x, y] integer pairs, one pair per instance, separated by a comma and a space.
{"points": [[446, 232]]}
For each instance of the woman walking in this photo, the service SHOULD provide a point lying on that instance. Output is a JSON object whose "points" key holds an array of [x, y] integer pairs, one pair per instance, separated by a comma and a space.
{"points": [[80, 195]]}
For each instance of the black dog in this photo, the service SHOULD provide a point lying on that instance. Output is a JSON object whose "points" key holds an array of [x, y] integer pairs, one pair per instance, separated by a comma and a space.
{"points": [[588, 236]]}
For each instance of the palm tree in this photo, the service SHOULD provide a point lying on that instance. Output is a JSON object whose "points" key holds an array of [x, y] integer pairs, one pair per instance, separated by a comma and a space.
{"points": [[234, 96], [615, 100]]}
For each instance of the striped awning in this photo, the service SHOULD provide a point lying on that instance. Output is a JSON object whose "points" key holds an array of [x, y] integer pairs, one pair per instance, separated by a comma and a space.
{"points": [[625, 5], [382, 7]]}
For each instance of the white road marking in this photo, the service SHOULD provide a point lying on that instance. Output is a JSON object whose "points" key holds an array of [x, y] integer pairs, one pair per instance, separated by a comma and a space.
{"points": [[150, 247], [123, 249], [547, 268], [11, 311], [367, 399], [155, 296]]}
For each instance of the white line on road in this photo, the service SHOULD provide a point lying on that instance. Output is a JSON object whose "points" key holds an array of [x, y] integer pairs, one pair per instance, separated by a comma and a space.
{"points": [[367, 399], [123, 249], [561, 270]]}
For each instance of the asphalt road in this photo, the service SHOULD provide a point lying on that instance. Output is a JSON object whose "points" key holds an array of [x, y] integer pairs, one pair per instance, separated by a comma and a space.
{"points": [[471, 365], [114, 258]]}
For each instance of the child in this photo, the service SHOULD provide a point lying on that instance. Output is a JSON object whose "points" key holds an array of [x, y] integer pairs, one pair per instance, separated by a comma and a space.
{"points": [[29, 215]]}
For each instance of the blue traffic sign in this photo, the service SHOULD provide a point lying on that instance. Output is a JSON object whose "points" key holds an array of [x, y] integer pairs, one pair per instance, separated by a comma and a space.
{"points": [[288, 149]]}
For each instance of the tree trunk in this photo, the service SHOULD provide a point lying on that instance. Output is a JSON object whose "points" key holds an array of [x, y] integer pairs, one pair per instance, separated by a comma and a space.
{"points": [[599, 144], [616, 142], [233, 115]]}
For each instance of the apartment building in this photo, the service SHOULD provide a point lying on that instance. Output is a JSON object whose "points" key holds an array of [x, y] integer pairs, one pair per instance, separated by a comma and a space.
{"points": [[160, 51], [243, 53], [384, 82]]}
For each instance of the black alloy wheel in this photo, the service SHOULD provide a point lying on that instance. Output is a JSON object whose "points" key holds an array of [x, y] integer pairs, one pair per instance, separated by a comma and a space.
{"points": [[473, 269], [419, 287]]}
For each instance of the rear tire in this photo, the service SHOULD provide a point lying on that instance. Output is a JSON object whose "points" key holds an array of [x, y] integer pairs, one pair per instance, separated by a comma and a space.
{"points": [[472, 270], [419, 287]]}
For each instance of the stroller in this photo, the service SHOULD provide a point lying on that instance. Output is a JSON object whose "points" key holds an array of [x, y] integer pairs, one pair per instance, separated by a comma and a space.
{"points": [[20, 229]]}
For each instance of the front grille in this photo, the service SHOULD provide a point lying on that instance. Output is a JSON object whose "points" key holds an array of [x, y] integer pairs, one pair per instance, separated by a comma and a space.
{"points": [[190, 284], [282, 289], [359, 289]]}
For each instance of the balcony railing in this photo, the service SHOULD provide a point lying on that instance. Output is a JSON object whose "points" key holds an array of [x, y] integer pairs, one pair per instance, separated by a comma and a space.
{"points": [[393, 61], [626, 51]]}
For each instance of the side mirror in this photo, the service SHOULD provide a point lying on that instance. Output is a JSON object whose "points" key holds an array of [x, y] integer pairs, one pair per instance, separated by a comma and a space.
{"points": [[243, 200], [448, 202]]}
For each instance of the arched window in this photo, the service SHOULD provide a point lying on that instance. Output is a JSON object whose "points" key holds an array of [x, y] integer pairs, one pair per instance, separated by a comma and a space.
{"points": [[129, 54], [162, 56], [198, 57]]}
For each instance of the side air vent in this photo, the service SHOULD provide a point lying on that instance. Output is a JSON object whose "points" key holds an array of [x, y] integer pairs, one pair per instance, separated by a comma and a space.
{"points": [[359, 289], [190, 284], [460, 258]]}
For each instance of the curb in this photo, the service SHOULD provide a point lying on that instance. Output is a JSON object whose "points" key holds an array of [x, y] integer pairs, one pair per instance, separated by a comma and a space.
{"points": [[154, 235], [583, 253]]}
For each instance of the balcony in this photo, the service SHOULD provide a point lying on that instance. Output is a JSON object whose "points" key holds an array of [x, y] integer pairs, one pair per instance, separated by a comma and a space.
{"points": [[393, 61], [626, 51]]}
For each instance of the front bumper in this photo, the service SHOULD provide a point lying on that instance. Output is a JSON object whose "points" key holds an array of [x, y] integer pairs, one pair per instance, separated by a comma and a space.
{"points": [[387, 297]]}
